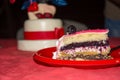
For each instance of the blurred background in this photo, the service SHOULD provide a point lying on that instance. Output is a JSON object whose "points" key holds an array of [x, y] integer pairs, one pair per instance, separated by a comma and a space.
{"points": [[88, 12]]}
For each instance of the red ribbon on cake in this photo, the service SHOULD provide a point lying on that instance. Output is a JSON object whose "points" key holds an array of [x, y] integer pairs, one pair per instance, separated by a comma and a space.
{"points": [[36, 35]]}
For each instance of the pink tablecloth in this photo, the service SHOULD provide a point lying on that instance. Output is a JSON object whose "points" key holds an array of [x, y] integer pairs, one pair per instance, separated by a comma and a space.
{"points": [[19, 65]]}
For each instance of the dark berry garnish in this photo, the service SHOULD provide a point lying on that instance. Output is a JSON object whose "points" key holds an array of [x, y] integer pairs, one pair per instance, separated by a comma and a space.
{"points": [[48, 15], [39, 15], [71, 29]]}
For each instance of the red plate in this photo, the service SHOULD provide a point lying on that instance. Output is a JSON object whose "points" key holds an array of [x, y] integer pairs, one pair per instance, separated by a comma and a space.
{"points": [[44, 56]]}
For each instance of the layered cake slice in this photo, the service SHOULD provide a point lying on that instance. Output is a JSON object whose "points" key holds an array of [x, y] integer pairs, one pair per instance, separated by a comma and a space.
{"points": [[83, 45]]}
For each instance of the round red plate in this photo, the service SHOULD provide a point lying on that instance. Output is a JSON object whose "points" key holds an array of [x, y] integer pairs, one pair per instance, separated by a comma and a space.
{"points": [[44, 56]]}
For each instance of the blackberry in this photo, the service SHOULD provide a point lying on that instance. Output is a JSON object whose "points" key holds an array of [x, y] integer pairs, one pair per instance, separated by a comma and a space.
{"points": [[71, 29]]}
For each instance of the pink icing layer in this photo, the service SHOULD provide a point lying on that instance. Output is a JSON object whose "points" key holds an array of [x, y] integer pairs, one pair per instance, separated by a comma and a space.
{"points": [[94, 31], [90, 31]]}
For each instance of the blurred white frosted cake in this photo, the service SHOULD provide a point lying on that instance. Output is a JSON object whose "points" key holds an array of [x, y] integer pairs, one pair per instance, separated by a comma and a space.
{"points": [[41, 30]]}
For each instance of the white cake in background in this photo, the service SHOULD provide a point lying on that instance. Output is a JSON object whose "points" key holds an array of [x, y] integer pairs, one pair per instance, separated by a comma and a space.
{"points": [[33, 43], [42, 25], [42, 32]]}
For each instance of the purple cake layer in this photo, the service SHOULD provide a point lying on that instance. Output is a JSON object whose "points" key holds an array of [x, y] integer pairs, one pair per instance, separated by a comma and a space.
{"points": [[85, 44]]}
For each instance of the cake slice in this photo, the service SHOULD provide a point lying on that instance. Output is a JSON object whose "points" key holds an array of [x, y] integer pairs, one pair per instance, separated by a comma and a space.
{"points": [[84, 45]]}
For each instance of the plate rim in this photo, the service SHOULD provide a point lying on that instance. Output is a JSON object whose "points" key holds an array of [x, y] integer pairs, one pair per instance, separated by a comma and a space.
{"points": [[70, 63]]}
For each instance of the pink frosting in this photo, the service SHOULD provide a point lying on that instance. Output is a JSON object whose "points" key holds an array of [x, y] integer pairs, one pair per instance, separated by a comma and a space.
{"points": [[91, 31], [94, 31]]}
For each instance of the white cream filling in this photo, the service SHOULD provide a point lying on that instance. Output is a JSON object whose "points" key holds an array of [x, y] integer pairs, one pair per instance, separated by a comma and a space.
{"points": [[83, 49]]}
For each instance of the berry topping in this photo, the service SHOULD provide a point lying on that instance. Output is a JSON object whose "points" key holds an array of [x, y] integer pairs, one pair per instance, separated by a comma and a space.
{"points": [[33, 7], [48, 15], [39, 15], [71, 29]]}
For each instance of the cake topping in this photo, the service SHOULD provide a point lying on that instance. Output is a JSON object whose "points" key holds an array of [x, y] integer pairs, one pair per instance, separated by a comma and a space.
{"points": [[48, 15], [40, 8], [94, 31], [71, 29], [33, 7], [39, 15]]}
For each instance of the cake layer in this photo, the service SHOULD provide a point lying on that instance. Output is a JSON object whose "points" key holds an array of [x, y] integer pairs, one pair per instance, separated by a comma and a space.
{"points": [[91, 50], [84, 53], [35, 45], [82, 57], [42, 25], [90, 44], [42, 8], [83, 36]]}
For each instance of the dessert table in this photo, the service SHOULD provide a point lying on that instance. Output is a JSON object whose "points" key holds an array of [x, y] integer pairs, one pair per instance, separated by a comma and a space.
{"points": [[19, 65]]}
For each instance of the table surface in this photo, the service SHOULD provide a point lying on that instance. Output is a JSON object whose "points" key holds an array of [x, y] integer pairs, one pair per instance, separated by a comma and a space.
{"points": [[19, 65]]}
